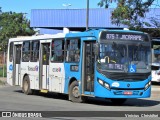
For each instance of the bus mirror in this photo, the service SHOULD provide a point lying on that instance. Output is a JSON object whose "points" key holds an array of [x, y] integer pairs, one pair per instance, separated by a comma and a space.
{"points": [[96, 49]]}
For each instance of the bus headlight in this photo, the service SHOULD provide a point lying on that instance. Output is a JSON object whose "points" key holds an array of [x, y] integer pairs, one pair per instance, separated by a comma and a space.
{"points": [[100, 82], [104, 84], [147, 85]]}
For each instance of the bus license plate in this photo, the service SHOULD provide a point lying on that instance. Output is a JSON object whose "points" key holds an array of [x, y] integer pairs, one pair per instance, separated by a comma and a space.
{"points": [[127, 93]]}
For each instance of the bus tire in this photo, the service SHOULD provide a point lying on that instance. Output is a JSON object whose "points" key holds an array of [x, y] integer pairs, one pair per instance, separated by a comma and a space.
{"points": [[74, 94], [26, 86], [118, 101]]}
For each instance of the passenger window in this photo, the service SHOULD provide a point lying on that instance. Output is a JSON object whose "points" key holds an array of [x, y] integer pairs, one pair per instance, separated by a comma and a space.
{"points": [[57, 52], [35, 51], [73, 50], [11, 52], [26, 51]]}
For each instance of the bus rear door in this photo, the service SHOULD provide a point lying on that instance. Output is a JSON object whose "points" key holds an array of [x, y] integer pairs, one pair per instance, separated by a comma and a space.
{"points": [[16, 63], [44, 64]]}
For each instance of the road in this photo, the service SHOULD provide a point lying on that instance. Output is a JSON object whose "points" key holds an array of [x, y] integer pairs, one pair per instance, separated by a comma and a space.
{"points": [[12, 99]]}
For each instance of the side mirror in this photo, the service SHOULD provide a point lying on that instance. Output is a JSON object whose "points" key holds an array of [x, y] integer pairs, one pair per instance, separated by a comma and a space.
{"points": [[96, 49]]}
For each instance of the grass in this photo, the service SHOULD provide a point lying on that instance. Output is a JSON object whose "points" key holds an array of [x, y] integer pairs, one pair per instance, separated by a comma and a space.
{"points": [[1, 71]]}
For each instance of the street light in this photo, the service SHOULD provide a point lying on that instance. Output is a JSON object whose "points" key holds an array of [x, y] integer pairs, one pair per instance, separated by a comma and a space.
{"points": [[66, 5]]}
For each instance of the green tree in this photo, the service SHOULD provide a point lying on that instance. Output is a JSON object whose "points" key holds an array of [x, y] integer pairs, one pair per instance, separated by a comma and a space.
{"points": [[132, 14], [12, 25]]}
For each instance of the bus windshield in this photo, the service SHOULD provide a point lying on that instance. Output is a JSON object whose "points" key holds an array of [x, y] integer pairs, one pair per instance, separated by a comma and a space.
{"points": [[117, 56]]}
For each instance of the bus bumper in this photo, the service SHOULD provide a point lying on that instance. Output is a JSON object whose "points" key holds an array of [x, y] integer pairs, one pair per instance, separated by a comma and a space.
{"points": [[105, 93]]}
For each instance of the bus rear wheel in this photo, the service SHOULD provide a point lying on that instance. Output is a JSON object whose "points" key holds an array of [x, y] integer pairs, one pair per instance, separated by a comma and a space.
{"points": [[74, 94], [118, 101], [26, 86]]}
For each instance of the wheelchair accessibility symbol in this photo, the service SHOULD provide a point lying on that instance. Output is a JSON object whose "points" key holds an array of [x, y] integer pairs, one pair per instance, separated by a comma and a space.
{"points": [[132, 68]]}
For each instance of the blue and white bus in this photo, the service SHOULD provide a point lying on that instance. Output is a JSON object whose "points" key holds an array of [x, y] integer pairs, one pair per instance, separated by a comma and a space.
{"points": [[155, 60], [113, 64]]}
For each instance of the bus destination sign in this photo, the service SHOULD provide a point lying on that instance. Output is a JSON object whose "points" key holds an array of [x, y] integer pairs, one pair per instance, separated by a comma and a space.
{"points": [[122, 36]]}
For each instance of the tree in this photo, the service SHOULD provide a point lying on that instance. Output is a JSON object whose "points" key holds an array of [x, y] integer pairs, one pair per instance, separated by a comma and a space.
{"points": [[12, 25], [131, 13]]}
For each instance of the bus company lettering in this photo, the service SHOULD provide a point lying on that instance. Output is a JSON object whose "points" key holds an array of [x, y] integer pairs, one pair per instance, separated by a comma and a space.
{"points": [[33, 68], [56, 69]]}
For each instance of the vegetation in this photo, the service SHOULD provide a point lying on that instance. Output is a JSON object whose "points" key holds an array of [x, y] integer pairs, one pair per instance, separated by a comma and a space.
{"points": [[3, 69], [132, 13], [12, 25]]}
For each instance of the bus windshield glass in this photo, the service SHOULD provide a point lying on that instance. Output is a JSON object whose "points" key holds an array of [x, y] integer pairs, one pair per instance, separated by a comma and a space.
{"points": [[118, 56]]}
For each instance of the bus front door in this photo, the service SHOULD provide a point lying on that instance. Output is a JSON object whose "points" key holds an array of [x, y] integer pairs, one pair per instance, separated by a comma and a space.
{"points": [[16, 64], [88, 67], [44, 69]]}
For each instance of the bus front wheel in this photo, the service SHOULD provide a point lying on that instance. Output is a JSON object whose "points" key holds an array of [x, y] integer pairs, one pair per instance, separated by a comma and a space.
{"points": [[74, 94], [26, 86], [119, 101]]}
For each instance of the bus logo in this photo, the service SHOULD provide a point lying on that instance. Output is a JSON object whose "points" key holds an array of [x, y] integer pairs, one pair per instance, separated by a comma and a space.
{"points": [[33, 68], [56, 69], [11, 67], [115, 84]]}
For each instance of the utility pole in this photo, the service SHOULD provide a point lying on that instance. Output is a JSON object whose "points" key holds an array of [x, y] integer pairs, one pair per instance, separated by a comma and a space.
{"points": [[87, 15]]}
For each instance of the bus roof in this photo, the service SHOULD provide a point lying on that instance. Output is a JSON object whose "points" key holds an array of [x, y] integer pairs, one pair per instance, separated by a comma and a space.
{"points": [[95, 32], [90, 32], [39, 37]]}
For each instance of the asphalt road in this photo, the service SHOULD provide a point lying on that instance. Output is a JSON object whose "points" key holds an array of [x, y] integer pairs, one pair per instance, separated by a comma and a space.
{"points": [[12, 99]]}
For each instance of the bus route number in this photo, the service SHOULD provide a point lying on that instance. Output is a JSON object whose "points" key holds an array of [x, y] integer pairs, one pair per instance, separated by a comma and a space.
{"points": [[124, 37]]}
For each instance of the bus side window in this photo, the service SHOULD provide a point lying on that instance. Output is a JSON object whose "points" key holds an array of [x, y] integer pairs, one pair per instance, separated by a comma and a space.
{"points": [[11, 52], [57, 52], [26, 51], [35, 51], [73, 50]]}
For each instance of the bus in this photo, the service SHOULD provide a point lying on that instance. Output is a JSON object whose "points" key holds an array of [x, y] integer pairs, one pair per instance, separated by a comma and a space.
{"points": [[155, 60], [100, 63]]}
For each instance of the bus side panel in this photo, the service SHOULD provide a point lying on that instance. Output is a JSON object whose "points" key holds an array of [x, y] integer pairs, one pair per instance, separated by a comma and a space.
{"points": [[10, 65], [9, 72], [70, 73], [24, 70], [33, 70], [56, 77]]}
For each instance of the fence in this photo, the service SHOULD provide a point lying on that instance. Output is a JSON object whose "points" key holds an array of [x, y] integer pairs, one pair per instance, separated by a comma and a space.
{"points": [[3, 58]]}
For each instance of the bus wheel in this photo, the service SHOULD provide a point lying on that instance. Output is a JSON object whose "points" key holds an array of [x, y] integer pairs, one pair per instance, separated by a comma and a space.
{"points": [[117, 101], [26, 86], [74, 94]]}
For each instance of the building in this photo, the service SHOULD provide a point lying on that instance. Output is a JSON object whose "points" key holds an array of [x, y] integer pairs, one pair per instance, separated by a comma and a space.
{"points": [[51, 21]]}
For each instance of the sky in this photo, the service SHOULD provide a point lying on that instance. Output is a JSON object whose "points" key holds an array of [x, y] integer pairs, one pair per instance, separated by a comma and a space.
{"points": [[25, 6]]}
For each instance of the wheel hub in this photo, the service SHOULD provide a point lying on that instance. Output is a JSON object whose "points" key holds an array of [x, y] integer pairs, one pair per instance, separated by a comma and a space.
{"points": [[75, 91]]}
